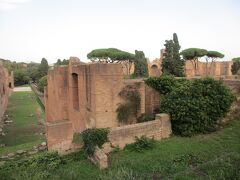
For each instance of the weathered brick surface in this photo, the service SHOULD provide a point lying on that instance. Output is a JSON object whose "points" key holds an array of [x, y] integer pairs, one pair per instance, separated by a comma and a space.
{"points": [[6, 84], [234, 84], [100, 158], [159, 128], [150, 98], [87, 96], [217, 68], [84, 95]]}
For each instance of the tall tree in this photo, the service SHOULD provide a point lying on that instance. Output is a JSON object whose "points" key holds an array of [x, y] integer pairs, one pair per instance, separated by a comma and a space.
{"points": [[172, 61], [61, 62], [212, 55], [43, 67], [193, 55], [112, 55], [33, 71], [141, 65]]}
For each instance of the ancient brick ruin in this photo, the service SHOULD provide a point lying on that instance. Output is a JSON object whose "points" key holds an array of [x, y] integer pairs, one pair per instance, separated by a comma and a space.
{"points": [[81, 96], [6, 84], [216, 68]]}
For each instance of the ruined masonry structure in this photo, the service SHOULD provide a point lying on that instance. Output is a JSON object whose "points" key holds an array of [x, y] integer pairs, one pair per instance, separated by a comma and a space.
{"points": [[216, 68], [6, 84], [80, 96]]}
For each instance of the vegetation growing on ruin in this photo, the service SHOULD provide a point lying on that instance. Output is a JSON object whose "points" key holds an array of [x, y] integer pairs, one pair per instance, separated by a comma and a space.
{"points": [[236, 65], [145, 117], [165, 84], [92, 138], [172, 62], [140, 65], [141, 144], [131, 105]]}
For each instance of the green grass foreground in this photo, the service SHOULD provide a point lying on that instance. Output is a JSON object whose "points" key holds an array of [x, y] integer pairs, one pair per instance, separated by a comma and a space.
{"points": [[23, 132], [212, 156]]}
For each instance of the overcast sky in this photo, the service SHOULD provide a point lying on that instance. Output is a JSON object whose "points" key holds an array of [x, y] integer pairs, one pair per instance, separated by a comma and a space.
{"points": [[32, 29]]}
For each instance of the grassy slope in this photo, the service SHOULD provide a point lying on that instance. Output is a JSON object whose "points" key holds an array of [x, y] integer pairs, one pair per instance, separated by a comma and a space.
{"points": [[213, 156], [24, 111]]}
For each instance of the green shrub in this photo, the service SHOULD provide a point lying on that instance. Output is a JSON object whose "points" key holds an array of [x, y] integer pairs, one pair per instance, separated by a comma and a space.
{"points": [[21, 77], [92, 138], [165, 84], [38, 166], [77, 138], [145, 117], [42, 83], [196, 107], [131, 105], [141, 144]]}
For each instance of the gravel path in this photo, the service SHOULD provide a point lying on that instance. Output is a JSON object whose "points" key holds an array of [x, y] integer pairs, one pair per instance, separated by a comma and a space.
{"points": [[22, 89]]}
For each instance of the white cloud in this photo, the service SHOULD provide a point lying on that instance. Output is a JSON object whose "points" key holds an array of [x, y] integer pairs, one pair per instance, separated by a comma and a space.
{"points": [[11, 4]]}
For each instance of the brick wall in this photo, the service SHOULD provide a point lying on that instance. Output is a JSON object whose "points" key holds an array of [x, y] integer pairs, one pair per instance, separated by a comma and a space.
{"points": [[234, 84], [80, 96], [4, 90], [159, 128], [150, 98]]}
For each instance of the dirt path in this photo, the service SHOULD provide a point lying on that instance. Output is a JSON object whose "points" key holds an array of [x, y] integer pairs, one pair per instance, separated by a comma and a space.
{"points": [[22, 89]]}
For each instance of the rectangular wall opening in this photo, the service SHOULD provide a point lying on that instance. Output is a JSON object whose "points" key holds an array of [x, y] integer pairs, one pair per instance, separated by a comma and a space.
{"points": [[75, 96]]}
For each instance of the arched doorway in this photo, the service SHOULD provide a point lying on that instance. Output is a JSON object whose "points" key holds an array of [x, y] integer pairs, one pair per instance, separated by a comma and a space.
{"points": [[155, 71]]}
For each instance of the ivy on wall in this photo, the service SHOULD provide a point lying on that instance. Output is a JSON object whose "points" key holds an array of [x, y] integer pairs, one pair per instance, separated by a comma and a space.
{"points": [[131, 104], [91, 138]]}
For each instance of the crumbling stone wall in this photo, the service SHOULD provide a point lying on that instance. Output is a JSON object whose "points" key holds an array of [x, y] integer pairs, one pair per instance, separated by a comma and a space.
{"points": [[120, 136], [81, 96], [6, 83], [150, 98], [159, 128], [217, 68]]}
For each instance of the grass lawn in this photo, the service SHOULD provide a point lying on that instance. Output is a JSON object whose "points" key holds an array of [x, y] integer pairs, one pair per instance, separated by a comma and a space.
{"points": [[23, 132], [212, 156]]}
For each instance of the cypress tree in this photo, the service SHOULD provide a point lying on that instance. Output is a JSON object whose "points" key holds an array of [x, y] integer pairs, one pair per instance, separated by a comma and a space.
{"points": [[141, 65], [172, 62]]}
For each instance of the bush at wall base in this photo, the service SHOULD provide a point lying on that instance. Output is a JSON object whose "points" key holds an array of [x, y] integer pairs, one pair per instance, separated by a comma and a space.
{"points": [[196, 107], [91, 138]]}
